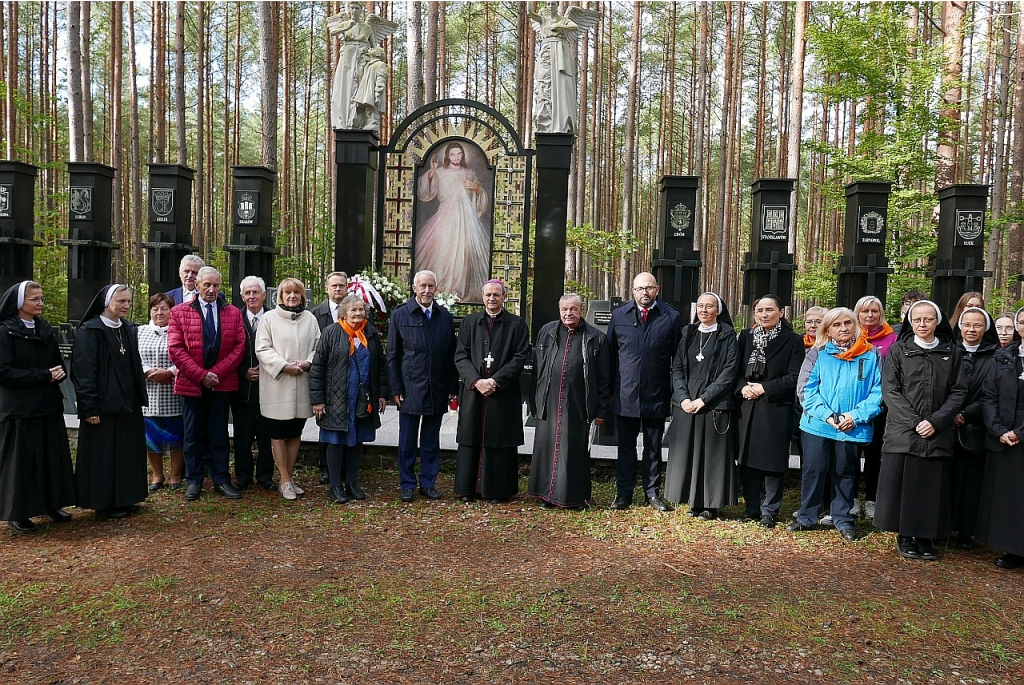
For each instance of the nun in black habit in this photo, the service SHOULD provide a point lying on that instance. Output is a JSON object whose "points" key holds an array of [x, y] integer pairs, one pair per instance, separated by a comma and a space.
{"points": [[701, 469], [1001, 519], [36, 476], [111, 390], [924, 388]]}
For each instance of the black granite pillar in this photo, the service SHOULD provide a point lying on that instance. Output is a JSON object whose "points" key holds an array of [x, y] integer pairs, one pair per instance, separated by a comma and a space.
{"points": [[960, 259], [90, 250], [863, 269], [677, 265], [17, 222], [554, 161], [170, 224], [252, 246], [356, 162], [768, 267]]}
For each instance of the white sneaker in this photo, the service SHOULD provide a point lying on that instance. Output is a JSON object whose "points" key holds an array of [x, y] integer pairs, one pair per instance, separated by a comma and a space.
{"points": [[869, 509], [298, 491], [855, 510], [826, 521], [288, 491]]}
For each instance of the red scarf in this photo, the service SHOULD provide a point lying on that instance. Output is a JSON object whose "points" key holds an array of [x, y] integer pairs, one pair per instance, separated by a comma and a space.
{"points": [[354, 333]]}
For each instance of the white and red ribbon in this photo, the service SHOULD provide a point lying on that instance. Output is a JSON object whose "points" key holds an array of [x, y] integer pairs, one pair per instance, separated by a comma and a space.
{"points": [[365, 290]]}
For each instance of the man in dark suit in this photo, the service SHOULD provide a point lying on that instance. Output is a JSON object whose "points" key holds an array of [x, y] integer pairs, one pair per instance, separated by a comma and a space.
{"points": [[326, 313], [188, 270], [422, 376], [245, 405], [205, 341], [642, 338]]}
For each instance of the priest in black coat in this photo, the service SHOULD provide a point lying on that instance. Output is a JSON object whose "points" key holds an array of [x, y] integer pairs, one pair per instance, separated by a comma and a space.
{"points": [[490, 355]]}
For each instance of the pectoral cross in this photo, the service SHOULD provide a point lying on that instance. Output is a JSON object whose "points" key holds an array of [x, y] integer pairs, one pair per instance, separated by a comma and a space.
{"points": [[488, 359]]}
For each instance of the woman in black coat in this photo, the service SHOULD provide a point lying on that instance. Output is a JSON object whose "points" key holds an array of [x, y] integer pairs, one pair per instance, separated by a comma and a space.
{"points": [[348, 387], [924, 388], [1001, 519], [701, 469], [980, 342], [36, 475], [770, 355], [111, 390]]}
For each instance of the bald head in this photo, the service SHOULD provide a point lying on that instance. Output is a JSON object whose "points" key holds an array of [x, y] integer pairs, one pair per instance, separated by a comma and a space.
{"points": [[645, 289]]}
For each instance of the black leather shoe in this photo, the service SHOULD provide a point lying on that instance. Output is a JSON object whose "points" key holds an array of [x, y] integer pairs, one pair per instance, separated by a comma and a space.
{"points": [[621, 503], [243, 485], [658, 504], [544, 504], [430, 493], [749, 518], [925, 549], [157, 486], [580, 507], [354, 491], [467, 498], [325, 478], [22, 527], [112, 513], [499, 500], [767, 521], [227, 490], [708, 515], [848, 534], [59, 516], [406, 496], [193, 491], [1010, 561], [797, 527], [907, 547], [337, 494], [268, 485]]}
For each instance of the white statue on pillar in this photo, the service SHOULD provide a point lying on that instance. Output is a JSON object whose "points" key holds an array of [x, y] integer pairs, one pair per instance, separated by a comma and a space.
{"points": [[359, 33], [555, 99]]}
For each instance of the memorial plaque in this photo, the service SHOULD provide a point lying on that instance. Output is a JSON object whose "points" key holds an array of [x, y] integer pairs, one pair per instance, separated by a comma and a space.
{"points": [[676, 264], [775, 222], [970, 228], [161, 205], [768, 267], [6, 195], [80, 203], [247, 207], [871, 225], [959, 263]]}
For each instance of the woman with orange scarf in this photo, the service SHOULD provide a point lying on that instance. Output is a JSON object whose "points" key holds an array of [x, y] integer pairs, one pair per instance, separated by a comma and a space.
{"points": [[874, 330], [348, 387], [842, 397]]}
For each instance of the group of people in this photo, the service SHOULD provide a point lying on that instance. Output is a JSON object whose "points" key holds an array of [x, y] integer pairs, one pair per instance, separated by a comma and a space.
{"points": [[935, 408]]}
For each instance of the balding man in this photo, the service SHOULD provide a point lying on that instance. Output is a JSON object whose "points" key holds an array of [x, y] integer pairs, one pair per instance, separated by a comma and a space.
{"points": [[422, 376], [570, 389], [642, 339]]}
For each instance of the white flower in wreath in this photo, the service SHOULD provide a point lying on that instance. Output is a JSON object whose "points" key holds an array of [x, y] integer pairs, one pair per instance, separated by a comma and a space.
{"points": [[446, 300]]}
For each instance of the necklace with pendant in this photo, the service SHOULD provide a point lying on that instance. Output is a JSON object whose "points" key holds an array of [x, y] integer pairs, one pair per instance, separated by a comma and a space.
{"points": [[703, 344], [120, 342]]}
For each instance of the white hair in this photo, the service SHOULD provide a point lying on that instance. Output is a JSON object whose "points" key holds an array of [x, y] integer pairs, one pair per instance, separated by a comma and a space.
{"points": [[424, 272], [191, 260], [206, 271], [252, 279]]}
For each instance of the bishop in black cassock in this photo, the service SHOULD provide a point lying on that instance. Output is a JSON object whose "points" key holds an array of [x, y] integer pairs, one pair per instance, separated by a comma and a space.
{"points": [[491, 352]]}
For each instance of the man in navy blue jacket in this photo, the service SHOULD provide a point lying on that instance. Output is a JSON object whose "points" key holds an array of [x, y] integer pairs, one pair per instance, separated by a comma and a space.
{"points": [[422, 376], [642, 336]]}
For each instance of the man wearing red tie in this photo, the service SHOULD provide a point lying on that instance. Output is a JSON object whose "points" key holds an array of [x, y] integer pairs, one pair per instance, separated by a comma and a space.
{"points": [[642, 338]]}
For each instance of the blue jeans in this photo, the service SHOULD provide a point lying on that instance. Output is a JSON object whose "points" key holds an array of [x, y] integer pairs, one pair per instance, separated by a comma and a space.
{"points": [[825, 458], [428, 440]]}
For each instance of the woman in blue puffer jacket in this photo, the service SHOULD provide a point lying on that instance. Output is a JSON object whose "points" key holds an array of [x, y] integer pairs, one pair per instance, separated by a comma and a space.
{"points": [[842, 396]]}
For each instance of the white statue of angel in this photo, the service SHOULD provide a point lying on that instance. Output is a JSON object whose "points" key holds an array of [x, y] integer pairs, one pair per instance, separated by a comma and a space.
{"points": [[555, 99], [359, 33]]}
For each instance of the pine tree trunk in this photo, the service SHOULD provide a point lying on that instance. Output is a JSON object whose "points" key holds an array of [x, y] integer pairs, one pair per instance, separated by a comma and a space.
{"points": [[796, 107], [160, 83], [135, 144], [76, 131], [10, 112], [1015, 244], [179, 81], [430, 59], [629, 163], [414, 54], [268, 26], [116, 80], [949, 113], [85, 31]]}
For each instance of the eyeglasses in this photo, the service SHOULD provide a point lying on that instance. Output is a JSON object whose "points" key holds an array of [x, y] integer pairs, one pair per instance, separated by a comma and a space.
{"points": [[812, 322], [972, 327], [923, 320], [645, 288]]}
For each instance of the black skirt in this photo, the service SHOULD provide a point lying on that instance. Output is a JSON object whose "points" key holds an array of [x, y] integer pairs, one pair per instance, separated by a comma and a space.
{"points": [[36, 475], [284, 429], [111, 462], [915, 496]]}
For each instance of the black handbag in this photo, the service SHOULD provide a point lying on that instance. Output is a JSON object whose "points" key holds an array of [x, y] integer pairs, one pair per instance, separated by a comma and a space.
{"points": [[971, 438], [364, 407]]}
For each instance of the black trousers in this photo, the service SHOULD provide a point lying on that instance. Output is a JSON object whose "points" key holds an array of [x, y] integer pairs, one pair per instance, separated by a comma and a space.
{"points": [[756, 483], [250, 426], [343, 463], [626, 429]]}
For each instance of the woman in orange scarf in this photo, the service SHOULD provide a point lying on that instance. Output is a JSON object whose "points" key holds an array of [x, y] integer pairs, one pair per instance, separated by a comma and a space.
{"points": [[348, 387]]}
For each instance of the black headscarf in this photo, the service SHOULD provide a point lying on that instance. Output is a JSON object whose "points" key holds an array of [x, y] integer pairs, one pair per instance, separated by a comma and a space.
{"points": [[9, 302], [943, 330], [99, 303], [723, 311]]}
